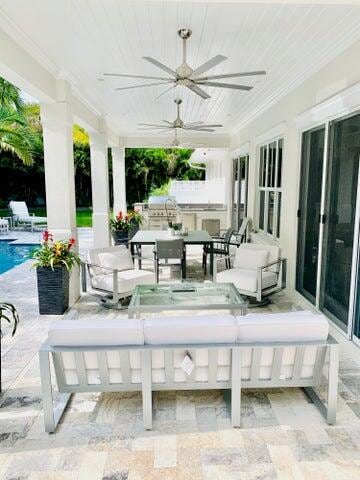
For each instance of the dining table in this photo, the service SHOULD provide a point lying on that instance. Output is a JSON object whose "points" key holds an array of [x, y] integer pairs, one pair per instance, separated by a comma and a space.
{"points": [[149, 237]]}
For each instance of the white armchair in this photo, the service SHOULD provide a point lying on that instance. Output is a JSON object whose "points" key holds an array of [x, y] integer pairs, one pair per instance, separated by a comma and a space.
{"points": [[257, 271], [112, 272], [20, 214]]}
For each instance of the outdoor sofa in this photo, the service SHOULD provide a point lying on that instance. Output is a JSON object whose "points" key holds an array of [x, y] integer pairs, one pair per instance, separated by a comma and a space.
{"points": [[253, 351]]}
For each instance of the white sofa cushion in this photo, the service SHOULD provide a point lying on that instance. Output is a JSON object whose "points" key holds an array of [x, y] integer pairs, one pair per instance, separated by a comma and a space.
{"points": [[116, 260], [127, 280], [245, 279], [81, 333], [282, 327], [120, 250], [250, 258], [190, 330]]}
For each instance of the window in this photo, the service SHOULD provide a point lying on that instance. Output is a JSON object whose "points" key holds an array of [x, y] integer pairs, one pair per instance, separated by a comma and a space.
{"points": [[271, 159]]}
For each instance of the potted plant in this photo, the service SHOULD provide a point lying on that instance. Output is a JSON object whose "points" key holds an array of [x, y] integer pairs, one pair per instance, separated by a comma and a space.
{"points": [[123, 227], [8, 313], [54, 261]]}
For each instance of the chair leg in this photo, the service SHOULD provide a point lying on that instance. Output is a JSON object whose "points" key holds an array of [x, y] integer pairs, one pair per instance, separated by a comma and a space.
{"points": [[183, 269], [204, 262]]}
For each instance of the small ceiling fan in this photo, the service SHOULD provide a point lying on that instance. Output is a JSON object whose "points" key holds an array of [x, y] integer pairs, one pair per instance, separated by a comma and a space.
{"points": [[177, 143], [178, 123], [189, 77]]}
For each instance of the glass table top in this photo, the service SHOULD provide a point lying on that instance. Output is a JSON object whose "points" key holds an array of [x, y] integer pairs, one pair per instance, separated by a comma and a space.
{"points": [[187, 296]]}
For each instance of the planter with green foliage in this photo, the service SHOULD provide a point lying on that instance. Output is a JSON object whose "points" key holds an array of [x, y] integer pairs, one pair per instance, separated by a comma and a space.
{"points": [[9, 314], [54, 262], [123, 227]]}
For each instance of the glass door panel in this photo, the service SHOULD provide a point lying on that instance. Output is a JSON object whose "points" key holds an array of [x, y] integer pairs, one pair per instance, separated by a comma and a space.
{"points": [[312, 154], [235, 193], [342, 186]]}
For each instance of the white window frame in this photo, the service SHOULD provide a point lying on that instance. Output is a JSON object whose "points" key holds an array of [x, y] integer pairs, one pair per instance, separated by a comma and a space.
{"points": [[270, 189]]}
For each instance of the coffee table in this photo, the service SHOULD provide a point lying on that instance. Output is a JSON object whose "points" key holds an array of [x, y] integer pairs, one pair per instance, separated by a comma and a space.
{"points": [[186, 296]]}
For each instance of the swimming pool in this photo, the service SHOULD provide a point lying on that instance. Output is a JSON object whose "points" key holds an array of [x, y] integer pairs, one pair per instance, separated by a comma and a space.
{"points": [[12, 254]]}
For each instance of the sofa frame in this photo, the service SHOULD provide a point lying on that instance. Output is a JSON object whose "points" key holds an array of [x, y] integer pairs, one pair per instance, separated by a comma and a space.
{"points": [[53, 410]]}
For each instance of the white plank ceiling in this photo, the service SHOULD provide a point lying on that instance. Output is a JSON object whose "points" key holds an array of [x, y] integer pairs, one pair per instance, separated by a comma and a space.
{"points": [[81, 39]]}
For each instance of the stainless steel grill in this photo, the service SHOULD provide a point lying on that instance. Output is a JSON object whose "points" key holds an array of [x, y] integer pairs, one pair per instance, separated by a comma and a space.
{"points": [[162, 210]]}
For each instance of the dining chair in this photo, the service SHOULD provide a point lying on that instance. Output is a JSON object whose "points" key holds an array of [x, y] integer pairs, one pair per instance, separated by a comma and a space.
{"points": [[168, 253]]}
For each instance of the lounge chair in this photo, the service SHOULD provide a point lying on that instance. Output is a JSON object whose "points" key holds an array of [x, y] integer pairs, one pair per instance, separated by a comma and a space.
{"points": [[21, 215], [4, 225]]}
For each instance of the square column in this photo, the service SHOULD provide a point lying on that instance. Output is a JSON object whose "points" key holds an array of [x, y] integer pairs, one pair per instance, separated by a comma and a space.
{"points": [[119, 179], [57, 123], [100, 189]]}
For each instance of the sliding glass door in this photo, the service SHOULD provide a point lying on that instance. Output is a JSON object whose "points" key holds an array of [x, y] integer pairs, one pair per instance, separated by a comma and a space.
{"points": [[312, 159], [328, 226], [339, 259]]}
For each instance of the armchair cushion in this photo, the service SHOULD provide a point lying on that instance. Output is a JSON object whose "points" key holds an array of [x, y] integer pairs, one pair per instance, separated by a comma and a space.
{"points": [[249, 258], [117, 260], [127, 280], [102, 332], [246, 279], [190, 330]]}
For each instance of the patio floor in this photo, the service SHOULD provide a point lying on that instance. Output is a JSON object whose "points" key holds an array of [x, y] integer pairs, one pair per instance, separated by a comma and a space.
{"points": [[101, 436]]}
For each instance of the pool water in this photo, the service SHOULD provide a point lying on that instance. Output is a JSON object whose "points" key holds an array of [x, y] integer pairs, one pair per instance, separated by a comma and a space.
{"points": [[12, 255]]}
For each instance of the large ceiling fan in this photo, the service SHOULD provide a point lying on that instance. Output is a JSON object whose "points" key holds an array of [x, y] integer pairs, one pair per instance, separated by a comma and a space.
{"points": [[191, 78], [179, 123]]}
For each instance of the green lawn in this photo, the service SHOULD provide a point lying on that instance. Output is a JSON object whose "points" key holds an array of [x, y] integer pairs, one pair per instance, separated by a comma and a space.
{"points": [[83, 215]]}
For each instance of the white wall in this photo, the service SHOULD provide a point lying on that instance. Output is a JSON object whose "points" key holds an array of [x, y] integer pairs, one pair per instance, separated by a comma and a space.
{"points": [[338, 75]]}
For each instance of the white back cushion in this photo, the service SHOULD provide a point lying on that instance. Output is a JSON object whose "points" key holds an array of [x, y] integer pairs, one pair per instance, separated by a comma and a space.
{"points": [[282, 327], [273, 250], [249, 258], [190, 330], [119, 260], [82, 333], [120, 250], [19, 208]]}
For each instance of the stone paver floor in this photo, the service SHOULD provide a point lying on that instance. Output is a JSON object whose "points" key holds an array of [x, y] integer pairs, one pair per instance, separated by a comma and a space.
{"points": [[101, 435]]}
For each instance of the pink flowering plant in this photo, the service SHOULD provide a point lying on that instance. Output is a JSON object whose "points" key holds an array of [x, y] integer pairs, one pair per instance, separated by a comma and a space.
{"points": [[126, 222], [56, 253]]}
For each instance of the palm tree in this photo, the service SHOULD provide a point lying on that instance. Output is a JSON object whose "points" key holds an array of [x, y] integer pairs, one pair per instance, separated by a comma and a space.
{"points": [[16, 136], [10, 96]]}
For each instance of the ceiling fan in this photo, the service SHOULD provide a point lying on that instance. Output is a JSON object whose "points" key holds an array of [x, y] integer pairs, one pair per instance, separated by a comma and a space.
{"points": [[178, 123], [191, 78]]}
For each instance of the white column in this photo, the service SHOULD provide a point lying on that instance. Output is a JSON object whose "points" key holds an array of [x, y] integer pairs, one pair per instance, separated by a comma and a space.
{"points": [[57, 123], [100, 189], [119, 179]]}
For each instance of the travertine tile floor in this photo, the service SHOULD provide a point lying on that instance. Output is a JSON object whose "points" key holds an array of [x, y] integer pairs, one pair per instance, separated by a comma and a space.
{"points": [[101, 436]]}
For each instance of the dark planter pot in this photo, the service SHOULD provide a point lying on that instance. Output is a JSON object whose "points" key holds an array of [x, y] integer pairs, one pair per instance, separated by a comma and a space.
{"points": [[53, 290], [133, 230], [120, 237]]}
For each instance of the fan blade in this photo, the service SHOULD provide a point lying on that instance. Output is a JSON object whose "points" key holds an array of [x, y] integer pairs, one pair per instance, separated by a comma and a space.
{"points": [[194, 129], [226, 85], [161, 65], [198, 91], [169, 123], [194, 124], [204, 125], [151, 125], [151, 129], [136, 76], [140, 86], [208, 65], [167, 90], [232, 75]]}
